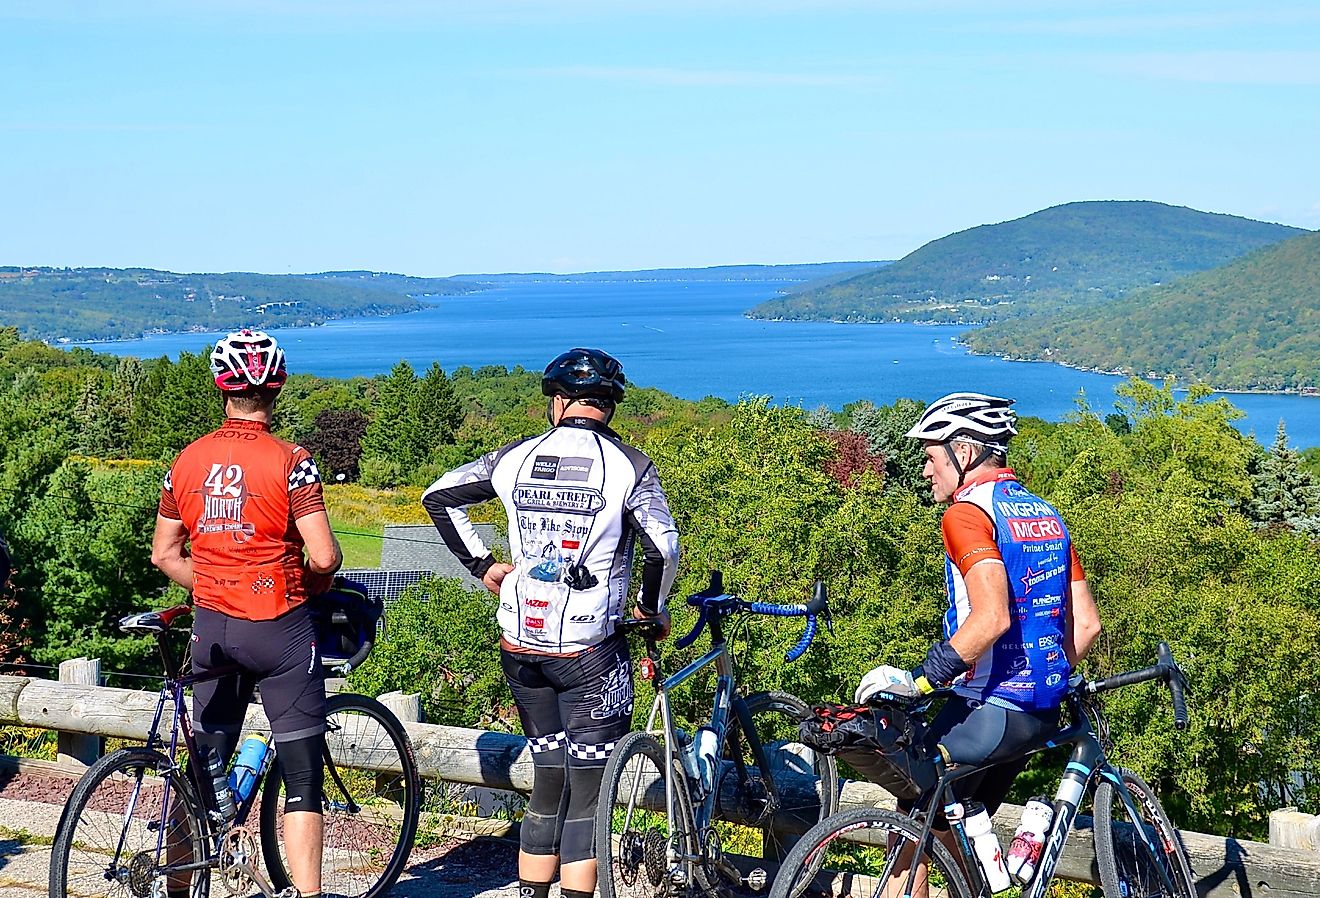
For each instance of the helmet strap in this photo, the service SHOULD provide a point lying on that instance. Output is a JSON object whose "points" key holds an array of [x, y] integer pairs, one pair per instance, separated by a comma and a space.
{"points": [[957, 466], [977, 460]]}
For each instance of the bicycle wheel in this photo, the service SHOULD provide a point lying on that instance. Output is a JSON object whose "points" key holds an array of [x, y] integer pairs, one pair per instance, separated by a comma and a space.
{"points": [[109, 839], [866, 852], [811, 778], [1133, 866], [632, 829], [370, 800]]}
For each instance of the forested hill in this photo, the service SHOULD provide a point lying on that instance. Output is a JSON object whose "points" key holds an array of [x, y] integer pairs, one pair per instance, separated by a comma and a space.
{"points": [[122, 303], [811, 272], [403, 284], [1252, 324], [1055, 258]]}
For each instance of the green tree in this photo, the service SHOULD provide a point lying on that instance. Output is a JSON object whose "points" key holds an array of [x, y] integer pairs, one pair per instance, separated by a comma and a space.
{"points": [[176, 403], [435, 415], [388, 446], [1285, 493], [886, 428]]}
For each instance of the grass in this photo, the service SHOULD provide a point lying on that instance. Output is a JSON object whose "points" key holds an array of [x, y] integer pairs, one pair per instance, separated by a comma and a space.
{"points": [[358, 516], [360, 549]]}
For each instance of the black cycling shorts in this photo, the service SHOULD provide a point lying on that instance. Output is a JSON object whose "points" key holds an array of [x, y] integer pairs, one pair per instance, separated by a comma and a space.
{"points": [[974, 733], [582, 701], [280, 655]]}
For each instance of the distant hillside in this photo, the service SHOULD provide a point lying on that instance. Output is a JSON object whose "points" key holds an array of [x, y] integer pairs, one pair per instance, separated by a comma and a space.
{"points": [[820, 271], [402, 284], [1253, 324], [110, 303], [1059, 257]]}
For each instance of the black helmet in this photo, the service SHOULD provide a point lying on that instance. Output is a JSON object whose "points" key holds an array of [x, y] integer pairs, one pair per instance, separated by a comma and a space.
{"points": [[584, 373]]}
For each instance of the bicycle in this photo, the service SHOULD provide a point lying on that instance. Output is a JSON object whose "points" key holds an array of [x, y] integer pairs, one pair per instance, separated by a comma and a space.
{"points": [[874, 852], [655, 821], [140, 821]]}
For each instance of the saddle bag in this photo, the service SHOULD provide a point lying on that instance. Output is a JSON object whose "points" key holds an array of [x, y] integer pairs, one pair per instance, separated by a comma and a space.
{"points": [[884, 742]]}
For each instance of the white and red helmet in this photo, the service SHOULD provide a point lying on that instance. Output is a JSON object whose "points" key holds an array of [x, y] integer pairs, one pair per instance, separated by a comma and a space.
{"points": [[987, 420], [246, 359]]}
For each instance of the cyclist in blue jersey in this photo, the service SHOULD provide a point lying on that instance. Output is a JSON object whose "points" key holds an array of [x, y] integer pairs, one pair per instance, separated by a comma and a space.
{"points": [[1020, 616]]}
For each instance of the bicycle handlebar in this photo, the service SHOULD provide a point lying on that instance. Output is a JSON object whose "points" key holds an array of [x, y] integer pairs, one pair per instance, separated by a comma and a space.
{"points": [[713, 600], [1167, 670]]}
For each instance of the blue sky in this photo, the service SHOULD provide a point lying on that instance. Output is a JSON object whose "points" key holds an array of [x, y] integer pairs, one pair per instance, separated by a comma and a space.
{"points": [[434, 138]]}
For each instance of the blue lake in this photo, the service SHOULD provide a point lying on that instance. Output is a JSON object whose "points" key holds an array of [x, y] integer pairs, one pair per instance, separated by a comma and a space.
{"points": [[690, 339]]}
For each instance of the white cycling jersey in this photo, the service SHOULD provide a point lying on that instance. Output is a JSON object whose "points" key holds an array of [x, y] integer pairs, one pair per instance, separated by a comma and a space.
{"points": [[578, 500]]}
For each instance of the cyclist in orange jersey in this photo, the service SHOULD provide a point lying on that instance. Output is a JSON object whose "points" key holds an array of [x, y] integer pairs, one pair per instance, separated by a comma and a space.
{"points": [[242, 525]]}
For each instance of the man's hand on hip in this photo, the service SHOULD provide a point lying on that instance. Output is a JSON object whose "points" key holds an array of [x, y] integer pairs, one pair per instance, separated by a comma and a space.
{"points": [[495, 575], [662, 619]]}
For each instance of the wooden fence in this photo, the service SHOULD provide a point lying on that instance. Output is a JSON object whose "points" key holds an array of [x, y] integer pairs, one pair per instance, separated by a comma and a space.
{"points": [[88, 712]]}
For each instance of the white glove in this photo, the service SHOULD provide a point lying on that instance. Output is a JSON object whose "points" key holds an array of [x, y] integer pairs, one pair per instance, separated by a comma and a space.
{"points": [[885, 678]]}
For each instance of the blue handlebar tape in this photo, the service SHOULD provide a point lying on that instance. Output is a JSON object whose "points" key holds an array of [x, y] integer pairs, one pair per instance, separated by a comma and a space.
{"points": [[778, 610], [807, 635]]}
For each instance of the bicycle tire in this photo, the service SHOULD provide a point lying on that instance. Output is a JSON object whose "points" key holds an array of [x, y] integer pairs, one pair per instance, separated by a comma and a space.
{"points": [[1127, 866], [105, 843], [369, 831], [824, 863], [631, 863], [776, 716]]}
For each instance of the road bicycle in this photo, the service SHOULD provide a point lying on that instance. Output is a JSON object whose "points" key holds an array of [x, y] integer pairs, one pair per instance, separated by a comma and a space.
{"points": [[874, 852], [141, 823], [663, 791]]}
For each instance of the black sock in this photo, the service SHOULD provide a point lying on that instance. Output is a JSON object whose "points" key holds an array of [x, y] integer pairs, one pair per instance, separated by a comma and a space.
{"points": [[573, 893], [533, 889]]}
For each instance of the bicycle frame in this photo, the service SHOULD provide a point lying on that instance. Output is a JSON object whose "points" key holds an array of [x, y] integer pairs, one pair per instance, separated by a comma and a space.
{"points": [[1087, 763], [172, 690], [726, 700]]}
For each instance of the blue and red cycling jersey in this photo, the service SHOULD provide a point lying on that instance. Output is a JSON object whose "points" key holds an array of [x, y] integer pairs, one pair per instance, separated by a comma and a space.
{"points": [[995, 519]]}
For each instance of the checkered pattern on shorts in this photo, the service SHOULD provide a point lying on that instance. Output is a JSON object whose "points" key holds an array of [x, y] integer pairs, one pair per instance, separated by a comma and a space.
{"points": [[304, 473], [539, 744], [598, 752]]}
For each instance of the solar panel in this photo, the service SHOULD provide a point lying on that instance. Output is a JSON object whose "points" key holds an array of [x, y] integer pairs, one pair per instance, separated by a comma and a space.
{"points": [[386, 585]]}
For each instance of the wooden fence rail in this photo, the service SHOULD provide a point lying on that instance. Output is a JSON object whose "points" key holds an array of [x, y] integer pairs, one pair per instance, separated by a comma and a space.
{"points": [[1224, 867]]}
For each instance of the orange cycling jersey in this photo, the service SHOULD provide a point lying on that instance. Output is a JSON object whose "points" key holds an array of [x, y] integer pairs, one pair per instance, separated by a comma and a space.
{"points": [[239, 490]]}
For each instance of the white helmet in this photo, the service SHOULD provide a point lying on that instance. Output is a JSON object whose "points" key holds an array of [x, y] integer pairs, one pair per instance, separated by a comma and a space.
{"points": [[247, 359], [987, 420]]}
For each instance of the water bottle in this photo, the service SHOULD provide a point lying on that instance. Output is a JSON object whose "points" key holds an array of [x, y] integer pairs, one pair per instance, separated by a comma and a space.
{"points": [[1024, 851], [687, 753], [249, 765], [708, 746], [224, 799], [986, 844]]}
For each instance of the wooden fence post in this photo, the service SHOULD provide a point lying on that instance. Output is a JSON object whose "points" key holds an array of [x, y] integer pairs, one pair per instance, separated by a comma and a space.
{"points": [[74, 748], [407, 706], [1291, 829]]}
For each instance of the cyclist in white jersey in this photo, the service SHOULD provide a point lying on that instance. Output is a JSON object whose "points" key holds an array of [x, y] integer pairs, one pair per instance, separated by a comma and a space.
{"points": [[579, 500]]}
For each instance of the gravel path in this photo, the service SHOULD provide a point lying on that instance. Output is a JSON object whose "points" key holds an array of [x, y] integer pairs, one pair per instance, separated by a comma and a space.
{"points": [[30, 807]]}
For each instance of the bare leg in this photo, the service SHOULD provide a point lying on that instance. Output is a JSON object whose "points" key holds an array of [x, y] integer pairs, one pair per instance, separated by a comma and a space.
{"points": [[896, 885], [303, 832], [579, 875], [537, 867]]}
